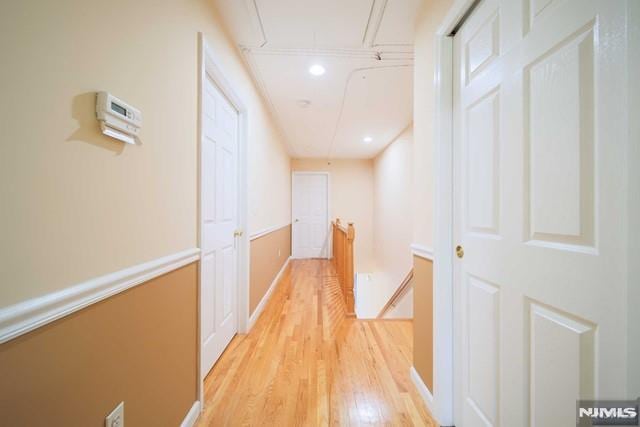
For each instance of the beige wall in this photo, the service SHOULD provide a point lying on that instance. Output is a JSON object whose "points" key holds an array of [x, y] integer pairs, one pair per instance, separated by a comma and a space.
{"points": [[423, 118], [269, 176], [268, 255], [392, 206], [427, 24], [76, 204], [351, 200], [138, 347]]}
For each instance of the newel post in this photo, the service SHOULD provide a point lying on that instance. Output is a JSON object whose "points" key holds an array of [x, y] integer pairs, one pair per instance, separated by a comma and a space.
{"points": [[349, 273]]}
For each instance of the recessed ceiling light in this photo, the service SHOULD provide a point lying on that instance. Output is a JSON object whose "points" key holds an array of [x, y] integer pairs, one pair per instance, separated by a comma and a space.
{"points": [[317, 70], [303, 103], [367, 139]]}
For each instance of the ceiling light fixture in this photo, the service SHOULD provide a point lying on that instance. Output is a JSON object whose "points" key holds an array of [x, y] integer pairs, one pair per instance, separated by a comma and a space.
{"points": [[317, 70], [367, 139]]}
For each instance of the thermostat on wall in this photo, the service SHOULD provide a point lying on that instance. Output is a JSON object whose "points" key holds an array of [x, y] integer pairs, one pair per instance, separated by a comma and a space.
{"points": [[118, 119]]}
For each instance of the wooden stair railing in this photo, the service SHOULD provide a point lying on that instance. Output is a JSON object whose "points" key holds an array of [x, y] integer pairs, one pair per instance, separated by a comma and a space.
{"points": [[398, 294], [343, 261]]}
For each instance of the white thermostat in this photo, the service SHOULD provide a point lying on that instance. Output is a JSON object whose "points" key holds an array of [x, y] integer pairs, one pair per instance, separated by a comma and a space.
{"points": [[117, 118]]}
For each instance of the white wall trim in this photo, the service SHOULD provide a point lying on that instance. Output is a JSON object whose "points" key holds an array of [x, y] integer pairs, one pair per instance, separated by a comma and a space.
{"points": [[18, 319], [443, 333], [210, 65], [422, 251], [267, 230], [456, 13], [267, 295], [423, 390], [443, 323], [192, 415]]}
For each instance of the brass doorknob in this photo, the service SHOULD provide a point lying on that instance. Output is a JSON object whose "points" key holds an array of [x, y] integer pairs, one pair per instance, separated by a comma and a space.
{"points": [[459, 251], [237, 233]]}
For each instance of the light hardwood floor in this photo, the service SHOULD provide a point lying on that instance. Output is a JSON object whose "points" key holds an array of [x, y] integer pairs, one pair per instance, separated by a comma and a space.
{"points": [[306, 364]]}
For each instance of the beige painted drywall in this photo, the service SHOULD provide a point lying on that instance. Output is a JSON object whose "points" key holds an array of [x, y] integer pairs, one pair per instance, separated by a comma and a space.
{"points": [[351, 200], [427, 23], [424, 101], [76, 204], [139, 346], [392, 206]]}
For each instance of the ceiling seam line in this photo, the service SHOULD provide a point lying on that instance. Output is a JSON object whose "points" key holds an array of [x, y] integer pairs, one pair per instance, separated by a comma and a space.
{"points": [[366, 28], [344, 98], [260, 23], [377, 29], [267, 97]]}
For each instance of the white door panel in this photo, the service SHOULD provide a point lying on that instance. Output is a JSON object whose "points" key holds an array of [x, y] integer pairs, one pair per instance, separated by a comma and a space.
{"points": [[539, 140], [310, 211], [219, 221]]}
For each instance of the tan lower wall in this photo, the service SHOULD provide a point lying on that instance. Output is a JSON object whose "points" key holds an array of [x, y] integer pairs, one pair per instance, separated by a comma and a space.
{"points": [[138, 346], [268, 255], [423, 319]]}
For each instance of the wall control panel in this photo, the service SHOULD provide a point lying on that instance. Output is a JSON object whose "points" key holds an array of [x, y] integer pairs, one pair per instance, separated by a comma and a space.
{"points": [[117, 118]]}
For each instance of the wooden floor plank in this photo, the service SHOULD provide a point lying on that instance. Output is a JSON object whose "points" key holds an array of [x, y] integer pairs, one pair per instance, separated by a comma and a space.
{"points": [[305, 363]]}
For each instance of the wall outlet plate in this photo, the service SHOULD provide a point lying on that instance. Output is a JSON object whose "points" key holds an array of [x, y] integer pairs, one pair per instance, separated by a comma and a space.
{"points": [[116, 417]]}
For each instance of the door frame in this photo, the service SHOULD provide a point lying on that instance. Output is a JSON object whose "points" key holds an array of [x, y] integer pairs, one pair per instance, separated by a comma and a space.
{"points": [[209, 65], [328, 225], [633, 182], [443, 333]]}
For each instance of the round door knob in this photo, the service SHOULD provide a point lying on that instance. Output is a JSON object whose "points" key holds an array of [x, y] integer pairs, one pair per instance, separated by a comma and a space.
{"points": [[459, 251]]}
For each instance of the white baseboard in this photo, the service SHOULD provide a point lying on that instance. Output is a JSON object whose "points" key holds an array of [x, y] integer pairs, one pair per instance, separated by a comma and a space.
{"points": [[192, 415], [18, 319], [423, 390], [263, 302]]}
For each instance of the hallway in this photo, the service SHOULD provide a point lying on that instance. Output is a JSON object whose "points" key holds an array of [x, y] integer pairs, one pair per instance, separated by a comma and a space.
{"points": [[305, 364]]}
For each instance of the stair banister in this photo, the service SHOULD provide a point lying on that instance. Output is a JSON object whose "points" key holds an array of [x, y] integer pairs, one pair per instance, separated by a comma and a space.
{"points": [[342, 239]]}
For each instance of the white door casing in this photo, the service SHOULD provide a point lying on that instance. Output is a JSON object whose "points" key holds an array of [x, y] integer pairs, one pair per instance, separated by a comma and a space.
{"points": [[310, 214], [540, 203], [218, 224]]}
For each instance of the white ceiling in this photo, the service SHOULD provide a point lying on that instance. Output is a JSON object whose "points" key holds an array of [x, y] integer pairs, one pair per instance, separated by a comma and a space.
{"points": [[366, 47]]}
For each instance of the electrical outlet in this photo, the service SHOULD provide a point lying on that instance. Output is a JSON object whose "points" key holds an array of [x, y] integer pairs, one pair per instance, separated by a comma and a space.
{"points": [[116, 417]]}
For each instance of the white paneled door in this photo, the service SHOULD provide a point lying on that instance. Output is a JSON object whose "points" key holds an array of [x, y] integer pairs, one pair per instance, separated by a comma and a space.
{"points": [[540, 276], [218, 224], [310, 214]]}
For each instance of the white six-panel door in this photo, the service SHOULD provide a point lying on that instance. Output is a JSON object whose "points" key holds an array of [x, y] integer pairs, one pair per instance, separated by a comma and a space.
{"points": [[310, 212], [539, 144], [218, 223]]}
